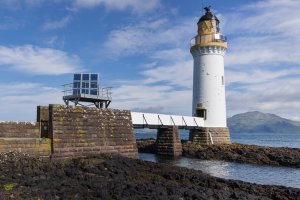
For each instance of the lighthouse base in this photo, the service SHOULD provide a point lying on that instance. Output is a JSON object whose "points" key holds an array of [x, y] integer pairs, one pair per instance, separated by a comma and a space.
{"points": [[209, 136]]}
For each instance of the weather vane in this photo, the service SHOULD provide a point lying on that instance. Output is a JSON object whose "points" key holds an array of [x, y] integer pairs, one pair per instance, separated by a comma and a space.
{"points": [[207, 8]]}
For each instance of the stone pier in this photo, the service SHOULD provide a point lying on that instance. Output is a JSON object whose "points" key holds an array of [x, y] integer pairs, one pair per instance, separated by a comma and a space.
{"points": [[168, 141], [66, 131], [209, 136], [23, 137], [77, 131]]}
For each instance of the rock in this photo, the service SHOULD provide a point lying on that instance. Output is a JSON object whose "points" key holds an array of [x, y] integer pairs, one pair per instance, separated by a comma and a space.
{"points": [[124, 178]]}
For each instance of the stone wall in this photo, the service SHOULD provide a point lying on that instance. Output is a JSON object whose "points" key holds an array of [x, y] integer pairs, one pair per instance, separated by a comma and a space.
{"points": [[23, 137], [168, 142], [209, 136], [76, 131], [42, 117], [42, 113], [19, 130]]}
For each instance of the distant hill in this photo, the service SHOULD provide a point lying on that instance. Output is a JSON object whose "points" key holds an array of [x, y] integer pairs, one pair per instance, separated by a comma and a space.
{"points": [[251, 122]]}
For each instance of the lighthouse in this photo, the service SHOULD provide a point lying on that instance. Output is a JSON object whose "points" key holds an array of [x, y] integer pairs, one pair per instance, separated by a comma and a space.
{"points": [[208, 49]]}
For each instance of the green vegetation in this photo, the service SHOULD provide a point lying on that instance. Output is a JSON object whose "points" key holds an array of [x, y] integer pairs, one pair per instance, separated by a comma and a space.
{"points": [[9, 186]]}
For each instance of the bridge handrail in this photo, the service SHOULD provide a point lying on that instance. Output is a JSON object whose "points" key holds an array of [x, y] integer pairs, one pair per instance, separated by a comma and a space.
{"points": [[157, 120]]}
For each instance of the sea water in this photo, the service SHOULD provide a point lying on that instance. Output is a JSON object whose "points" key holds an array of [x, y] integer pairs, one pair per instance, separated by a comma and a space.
{"points": [[291, 140], [261, 174]]}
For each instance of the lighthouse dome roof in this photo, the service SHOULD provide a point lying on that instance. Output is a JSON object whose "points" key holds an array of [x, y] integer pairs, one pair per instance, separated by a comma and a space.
{"points": [[208, 15]]}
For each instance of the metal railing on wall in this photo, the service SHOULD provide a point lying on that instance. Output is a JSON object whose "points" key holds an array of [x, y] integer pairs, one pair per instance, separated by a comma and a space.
{"points": [[201, 39]]}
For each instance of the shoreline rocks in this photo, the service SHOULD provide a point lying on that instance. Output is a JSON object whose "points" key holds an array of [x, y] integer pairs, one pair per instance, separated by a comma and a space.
{"points": [[116, 177], [241, 153]]}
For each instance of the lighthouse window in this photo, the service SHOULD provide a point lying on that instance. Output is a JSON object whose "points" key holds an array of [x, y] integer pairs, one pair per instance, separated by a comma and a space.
{"points": [[201, 113]]}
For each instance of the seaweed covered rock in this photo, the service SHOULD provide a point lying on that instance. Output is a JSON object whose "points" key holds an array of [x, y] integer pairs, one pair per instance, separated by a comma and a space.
{"points": [[116, 177], [277, 156]]}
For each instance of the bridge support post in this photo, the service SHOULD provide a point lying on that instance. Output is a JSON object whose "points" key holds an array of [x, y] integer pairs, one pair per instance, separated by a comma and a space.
{"points": [[209, 136], [168, 141]]}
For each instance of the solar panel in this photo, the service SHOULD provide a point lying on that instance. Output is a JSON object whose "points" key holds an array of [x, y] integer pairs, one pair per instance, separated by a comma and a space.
{"points": [[86, 84]]}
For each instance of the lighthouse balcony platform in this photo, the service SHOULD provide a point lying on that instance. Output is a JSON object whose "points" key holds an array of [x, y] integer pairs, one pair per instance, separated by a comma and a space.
{"points": [[209, 40]]}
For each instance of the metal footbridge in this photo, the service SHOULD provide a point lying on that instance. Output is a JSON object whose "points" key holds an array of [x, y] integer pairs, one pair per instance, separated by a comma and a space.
{"points": [[154, 121]]}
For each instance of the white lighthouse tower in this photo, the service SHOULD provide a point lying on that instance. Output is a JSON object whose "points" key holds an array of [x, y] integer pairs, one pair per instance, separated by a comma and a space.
{"points": [[208, 49]]}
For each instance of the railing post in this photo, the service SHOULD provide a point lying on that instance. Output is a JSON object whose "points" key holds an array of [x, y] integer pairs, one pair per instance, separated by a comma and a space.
{"points": [[195, 122], [184, 121], [144, 119], [160, 121]]}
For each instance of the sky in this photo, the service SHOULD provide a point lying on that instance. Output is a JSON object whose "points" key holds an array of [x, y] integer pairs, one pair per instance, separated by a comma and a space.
{"points": [[141, 49]]}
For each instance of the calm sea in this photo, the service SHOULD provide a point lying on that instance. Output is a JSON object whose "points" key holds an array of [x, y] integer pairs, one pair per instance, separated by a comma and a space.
{"points": [[246, 172], [263, 139]]}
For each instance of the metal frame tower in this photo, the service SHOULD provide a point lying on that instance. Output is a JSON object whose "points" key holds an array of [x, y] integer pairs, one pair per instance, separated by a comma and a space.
{"points": [[86, 88]]}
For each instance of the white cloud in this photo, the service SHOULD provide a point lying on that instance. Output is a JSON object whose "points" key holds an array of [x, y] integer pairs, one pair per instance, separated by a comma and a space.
{"points": [[50, 25], [171, 55], [138, 6], [17, 4], [264, 32], [280, 97], [262, 50], [147, 98], [55, 41], [35, 60], [150, 36], [24, 98], [164, 89], [256, 75], [166, 81], [178, 74], [263, 58], [261, 65]]}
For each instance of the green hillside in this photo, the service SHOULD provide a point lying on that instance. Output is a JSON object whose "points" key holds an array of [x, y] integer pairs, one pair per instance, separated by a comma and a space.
{"points": [[255, 121]]}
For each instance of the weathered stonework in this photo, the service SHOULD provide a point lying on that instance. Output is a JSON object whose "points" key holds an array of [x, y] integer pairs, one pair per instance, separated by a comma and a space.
{"points": [[208, 136], [43, 120], [33, 146], [168, 142], [42, 113], [77, 131], [62, 131], [19, 130], [23, 137]]}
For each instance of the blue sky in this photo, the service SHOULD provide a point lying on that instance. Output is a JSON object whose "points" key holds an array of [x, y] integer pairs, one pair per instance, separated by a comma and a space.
{"points": [[141, 49]]}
